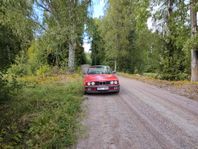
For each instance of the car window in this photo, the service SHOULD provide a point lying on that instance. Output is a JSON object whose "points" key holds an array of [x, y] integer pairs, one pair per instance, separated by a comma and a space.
{"points": [[99, 71]]}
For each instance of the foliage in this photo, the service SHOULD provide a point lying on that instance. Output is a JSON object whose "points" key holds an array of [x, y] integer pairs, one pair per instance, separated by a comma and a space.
{"points": [[10, 86], [171, 77], [65, 25], [170, 22], [34, 61], [145, 36], [122, 33], [97, 43], [16, 33], [3, 90], [43, 70], [16, 29], [88, 58], [43, 115]]}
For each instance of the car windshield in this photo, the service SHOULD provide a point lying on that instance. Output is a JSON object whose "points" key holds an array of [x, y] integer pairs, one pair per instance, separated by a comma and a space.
{"points": [[99, 71]]}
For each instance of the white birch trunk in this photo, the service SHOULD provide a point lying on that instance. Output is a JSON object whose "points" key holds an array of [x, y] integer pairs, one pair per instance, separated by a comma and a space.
{"points": [[71, 59], [194, 65], [194, 51], [115, 65]]}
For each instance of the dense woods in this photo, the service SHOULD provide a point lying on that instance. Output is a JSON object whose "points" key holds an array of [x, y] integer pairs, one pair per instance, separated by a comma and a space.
{"points": [[148, 36]]}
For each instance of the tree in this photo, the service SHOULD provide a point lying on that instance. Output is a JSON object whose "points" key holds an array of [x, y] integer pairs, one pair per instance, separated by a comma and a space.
{"points": [[194, 51], [16, 29], [97, 43], [121, 29], [65, 21], [170, 19], [16, 34]]}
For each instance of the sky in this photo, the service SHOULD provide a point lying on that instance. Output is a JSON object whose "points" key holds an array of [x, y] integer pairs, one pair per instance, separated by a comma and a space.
{"points": [[98, 10]]}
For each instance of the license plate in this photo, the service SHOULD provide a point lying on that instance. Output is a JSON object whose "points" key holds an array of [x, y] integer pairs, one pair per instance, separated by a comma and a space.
{"points": [[103, 88]]}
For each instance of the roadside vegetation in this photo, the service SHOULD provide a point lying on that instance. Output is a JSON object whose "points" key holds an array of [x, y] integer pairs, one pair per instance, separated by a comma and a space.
{"points": [[181, 87], [40, 83], [43, 114]]}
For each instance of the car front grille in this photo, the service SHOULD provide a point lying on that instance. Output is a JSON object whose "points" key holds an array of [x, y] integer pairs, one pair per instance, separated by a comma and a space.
{"points": [[102, 83]]}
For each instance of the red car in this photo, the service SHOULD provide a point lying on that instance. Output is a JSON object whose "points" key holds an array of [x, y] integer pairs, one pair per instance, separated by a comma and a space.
{"points": [[100, 79]]}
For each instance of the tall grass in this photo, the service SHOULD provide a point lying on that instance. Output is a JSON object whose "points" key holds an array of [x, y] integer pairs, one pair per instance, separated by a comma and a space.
{"points": [[42, 115]]}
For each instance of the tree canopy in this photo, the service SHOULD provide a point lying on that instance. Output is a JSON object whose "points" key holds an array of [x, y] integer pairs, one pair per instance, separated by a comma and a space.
{"points": [[121, 37], [163, 47]]}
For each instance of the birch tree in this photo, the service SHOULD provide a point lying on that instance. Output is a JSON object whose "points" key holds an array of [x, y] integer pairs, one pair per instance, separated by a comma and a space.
{"points": [[194, 51], [170, 17], [65, 20]]}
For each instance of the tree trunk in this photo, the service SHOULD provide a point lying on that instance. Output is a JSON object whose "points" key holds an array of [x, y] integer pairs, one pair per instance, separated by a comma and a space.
{"points": [[71, 59], [170, 8], [169, 45], [72, 43], [115, 65], [194, 51], [194, 65]]}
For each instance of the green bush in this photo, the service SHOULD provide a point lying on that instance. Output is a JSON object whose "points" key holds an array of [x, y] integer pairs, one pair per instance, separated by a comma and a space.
{"points": [[4, 92], [171, 77], [9, 86], [18, 69], [42, 70]]}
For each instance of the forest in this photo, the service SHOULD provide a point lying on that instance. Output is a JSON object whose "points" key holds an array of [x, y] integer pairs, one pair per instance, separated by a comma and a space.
{"points": [[148, 36], [41, 43]]}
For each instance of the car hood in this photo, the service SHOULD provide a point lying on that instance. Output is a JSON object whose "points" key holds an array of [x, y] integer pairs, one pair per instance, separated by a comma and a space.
{"points": [[100, 77]]}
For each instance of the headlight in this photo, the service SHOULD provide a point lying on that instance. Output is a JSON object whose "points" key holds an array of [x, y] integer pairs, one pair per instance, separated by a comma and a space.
{"points": [[92, 83], [88, 83], [111, 82], [115, 82]]}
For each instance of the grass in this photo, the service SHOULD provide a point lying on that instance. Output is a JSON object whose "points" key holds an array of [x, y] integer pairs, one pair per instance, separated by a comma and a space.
{"points": [[44, 114]]}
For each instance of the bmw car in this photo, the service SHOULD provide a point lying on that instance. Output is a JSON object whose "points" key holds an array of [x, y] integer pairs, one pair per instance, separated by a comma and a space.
{"points": [[101, 79]]}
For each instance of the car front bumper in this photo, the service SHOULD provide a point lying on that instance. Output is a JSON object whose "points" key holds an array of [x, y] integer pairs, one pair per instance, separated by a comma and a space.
{"points": [[102, 89]]}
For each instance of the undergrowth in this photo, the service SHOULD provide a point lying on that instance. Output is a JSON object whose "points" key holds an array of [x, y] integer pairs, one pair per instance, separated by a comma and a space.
{"points": [[42, 115]]}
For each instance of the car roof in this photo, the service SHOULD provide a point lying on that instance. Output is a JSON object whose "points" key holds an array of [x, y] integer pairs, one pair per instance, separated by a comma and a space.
{"points": [[99, 66]]}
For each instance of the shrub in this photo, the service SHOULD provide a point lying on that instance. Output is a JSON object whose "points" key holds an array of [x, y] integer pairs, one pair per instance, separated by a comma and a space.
{"points": [[9, 86], [42, 70], [171, 77], [18, 69], [3, 89]]}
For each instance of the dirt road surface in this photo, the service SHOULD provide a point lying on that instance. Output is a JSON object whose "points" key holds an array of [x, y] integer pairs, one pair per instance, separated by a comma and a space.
{"points": [[140, 117]]}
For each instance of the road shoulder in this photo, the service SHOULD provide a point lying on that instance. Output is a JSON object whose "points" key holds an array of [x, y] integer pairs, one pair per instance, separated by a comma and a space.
{"points": [[183, 88]]}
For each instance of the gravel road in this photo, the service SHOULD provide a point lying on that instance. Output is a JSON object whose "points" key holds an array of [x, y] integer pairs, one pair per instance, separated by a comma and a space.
{"points": [[140, 117]]}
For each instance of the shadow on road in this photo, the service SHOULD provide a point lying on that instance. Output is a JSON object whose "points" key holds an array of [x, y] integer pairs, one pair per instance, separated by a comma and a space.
{"points": [[102, 94]]}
